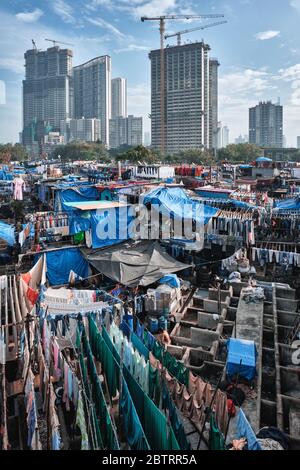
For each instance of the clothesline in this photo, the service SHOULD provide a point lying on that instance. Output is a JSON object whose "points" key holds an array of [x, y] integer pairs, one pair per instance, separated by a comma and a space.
{"points": [[266, 255]]}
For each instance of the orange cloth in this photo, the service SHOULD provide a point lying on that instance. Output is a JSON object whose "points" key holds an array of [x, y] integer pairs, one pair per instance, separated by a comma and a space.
{"points": [[26, 277]]}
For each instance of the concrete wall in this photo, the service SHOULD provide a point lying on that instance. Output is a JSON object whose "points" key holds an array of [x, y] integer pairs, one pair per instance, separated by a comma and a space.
{"points": [[207, 320], [203, 338], [288, 305], [213, 294], [286, 318], [212, 306]]}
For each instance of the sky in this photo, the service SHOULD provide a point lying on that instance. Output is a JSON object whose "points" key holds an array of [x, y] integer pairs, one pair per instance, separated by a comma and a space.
{"points": [[258, 50]]}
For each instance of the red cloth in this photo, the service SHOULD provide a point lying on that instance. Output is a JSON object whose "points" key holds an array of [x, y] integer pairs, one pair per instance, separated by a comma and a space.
{"points": [[231, 407], [26, 277], [32, 295]]}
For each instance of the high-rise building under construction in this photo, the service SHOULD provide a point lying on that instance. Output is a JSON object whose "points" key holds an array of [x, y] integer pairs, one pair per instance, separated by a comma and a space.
{"points": [[191, 98]]}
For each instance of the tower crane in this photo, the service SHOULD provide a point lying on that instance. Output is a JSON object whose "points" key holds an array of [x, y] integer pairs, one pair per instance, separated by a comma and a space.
{"points": [[58, 42], [162, 26], [185, 31]]}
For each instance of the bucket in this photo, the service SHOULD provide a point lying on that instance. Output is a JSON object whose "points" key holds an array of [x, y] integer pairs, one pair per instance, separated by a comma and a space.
{"points": [[153, 325], [162, 323]]}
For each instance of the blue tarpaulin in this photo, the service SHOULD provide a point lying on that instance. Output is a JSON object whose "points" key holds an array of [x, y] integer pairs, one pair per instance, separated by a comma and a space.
{"points": [[7, 233], [170, 279], [263, 159], [61, 262], [212, 194], [288, 205], [74, 194], [242, 204], [110, 226], [245, 351], [4, 176], [79, 221], [174, 201]]}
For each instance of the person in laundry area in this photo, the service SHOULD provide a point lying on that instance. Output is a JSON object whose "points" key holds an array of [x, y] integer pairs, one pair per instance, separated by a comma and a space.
{"points": [[163, 337]]}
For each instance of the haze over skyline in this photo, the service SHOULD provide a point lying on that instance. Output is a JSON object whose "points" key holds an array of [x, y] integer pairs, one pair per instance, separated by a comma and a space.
{"points": [[258, 50]]}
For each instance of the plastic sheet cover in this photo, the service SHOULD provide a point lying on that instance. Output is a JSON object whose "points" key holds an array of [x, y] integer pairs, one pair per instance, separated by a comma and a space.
{"points": [[288, 205], [61, 262], [110, 226], [175, 201], [7, 233], [75, 194], [132, 264]]}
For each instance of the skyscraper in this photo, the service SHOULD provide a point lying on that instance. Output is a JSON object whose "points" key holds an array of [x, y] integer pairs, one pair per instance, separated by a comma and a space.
{"points": [[92, 92], [47, 91], [298, 142], [213, 103], [135, 130], [118, 97], [241, 139], [126, 131], [118, 132], [87, 130], [187, 102], [266, 125], [222, 136], [147, 139]]}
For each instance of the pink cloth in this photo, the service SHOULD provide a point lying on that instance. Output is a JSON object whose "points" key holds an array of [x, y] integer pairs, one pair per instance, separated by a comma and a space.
{"points": [[19, 186]]}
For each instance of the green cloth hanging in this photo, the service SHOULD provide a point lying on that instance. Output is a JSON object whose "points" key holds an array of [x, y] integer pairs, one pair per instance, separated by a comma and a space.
{"points": [[157, 351], [176, 368], [78, 238], [154, 386], [107, 433], [132, 425], [216, 438]]}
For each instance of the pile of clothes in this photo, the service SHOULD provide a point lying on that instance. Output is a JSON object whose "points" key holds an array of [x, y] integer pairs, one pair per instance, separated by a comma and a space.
{"points": [[253, 295]]}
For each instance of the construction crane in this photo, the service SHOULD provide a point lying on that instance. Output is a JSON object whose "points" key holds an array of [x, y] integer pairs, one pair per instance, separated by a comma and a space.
{"points": [[162, 27], [34, 44], [185, 31], [58, 42]]}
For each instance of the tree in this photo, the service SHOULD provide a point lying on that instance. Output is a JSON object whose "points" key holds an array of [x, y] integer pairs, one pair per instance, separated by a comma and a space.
{"points": [[239, 153], [9, 152], [113, 152], [191, 156], [82, 151], [138, 154]]}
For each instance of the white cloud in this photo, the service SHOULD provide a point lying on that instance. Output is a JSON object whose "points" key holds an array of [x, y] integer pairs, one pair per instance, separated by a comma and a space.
{"points": [[133, 48], [63, 10], [239, 90], [30, 16], [244, 81], [155, 8], [106, 25], [290, 74], [265, 35], [295, 4]]}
